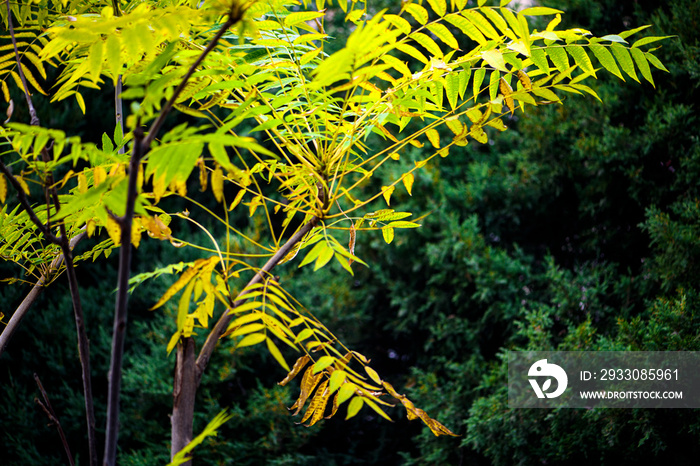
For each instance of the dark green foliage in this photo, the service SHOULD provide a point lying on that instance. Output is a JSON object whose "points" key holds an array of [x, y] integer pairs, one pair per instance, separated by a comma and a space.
{"points": [[579, 229]]}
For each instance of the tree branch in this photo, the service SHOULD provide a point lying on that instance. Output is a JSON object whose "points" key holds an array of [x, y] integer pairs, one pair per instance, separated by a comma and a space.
{"points": [[140, 149], [27, 302], [48, 409], [225, 319]]}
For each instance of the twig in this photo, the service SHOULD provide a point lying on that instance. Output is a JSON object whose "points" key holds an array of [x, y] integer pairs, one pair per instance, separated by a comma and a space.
{"points": [[27, 302], [140, 149], [48, 409]]}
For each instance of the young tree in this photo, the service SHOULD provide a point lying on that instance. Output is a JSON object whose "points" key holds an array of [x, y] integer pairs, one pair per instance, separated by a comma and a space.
{"points": [[277, 124]]}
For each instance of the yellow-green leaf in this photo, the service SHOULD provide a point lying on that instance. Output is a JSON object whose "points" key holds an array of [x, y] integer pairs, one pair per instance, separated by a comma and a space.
{"points": [[418, 12], [642, 64], [322, 363], [388, 234], [482, 23], [623, 57], [434, 137], [540, 11], [337, 379], [581, 58], [354, 407], [429, 44], [466, 27], [412, 51], [324, 257], [293, 19], [387, 191], [252, 339], [438, 6], [373, 375], [606, 59], [407, 180], [275, 352], [444, 34], [494, 58]]}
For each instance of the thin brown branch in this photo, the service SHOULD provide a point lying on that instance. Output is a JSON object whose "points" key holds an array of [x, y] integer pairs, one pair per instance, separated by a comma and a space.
{"points": [[48, 409], [225, 319], [28, 300]]}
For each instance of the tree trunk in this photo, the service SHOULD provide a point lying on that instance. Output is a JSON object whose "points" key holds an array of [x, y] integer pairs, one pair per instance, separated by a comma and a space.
{"points": [[184, 391]]}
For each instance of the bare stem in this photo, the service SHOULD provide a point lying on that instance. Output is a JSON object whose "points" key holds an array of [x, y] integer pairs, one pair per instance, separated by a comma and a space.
{"points": [[140, 149], [48, 409]]}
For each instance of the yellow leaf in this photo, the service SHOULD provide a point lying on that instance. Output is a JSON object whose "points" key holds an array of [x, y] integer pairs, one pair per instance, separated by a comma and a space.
{"points": [[388, 234], [418, 12], [203, 175], [114, 230], [237, 199], [408, 182], [354, 407], [298, 366], [387, 191], [524, 80], [136, 232], [3, 189], [184, 279], [275, 352], [377, 409], [434, 137], [506, 90], [252, 339], [159, 187], [308, 383], [98, 175], [82, 182], [373, 375], [318, 404], [91, 227]]}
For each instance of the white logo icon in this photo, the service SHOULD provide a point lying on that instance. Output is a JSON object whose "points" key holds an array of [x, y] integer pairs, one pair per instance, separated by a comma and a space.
{"points": [[542, 369]]}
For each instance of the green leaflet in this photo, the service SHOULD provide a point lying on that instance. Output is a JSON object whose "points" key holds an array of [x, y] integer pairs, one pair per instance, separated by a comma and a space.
{"points": [[478, 79], [418, 12], [466, 27], [649, 40], [581, 58], [642, 64], [623, 57], [481, 23], [438, 6], [559, 58], [301, 17], [540, 11], [606, 59], [452, 88], [539, 58], [429, 44], [444, 34]]}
